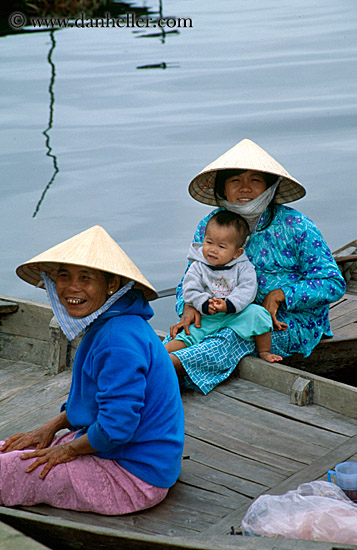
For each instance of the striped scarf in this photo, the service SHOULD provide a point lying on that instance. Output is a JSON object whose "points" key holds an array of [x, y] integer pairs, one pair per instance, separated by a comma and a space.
{"points": [[72, 326]]}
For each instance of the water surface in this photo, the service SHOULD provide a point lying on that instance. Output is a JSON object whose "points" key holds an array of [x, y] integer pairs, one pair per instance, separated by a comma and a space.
{"points": [[88, 138]]}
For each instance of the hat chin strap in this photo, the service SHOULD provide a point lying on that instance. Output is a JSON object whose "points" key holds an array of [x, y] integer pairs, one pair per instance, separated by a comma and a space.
{"points": [[253, 210]]}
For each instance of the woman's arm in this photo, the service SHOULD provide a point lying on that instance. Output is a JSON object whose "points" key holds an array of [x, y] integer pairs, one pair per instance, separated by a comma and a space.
{"points": [[189, 315], [271, 303], [293, 257], [319, 281]]}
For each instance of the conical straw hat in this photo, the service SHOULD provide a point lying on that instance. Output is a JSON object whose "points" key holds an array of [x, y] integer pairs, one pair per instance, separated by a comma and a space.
{"points": [[246, 155], [92, 248]]}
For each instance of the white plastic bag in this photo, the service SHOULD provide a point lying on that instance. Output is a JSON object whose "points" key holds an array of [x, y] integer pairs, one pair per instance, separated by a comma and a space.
{"points": [[314, 511]]}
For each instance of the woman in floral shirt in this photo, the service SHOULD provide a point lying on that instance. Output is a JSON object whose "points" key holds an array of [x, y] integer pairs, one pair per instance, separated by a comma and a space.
{"points": [[297, 275]]}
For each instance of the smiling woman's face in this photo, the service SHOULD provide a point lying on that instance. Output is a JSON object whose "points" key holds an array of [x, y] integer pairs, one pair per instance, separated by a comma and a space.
{"points": [[245, 187], [81, 290]]}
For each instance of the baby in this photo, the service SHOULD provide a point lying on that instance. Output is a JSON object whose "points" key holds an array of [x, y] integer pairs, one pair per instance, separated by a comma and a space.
{"points": [[221, 284]]}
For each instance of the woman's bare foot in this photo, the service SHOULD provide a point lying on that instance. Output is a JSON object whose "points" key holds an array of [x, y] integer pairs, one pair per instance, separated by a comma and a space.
{"points": [[270, 357]]}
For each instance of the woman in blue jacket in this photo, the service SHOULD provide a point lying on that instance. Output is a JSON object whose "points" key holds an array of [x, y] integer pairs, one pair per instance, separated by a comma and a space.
{"points": [[124, 410], [297, 275]]}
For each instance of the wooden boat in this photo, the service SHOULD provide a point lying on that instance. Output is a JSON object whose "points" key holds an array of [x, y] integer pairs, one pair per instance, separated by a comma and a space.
{"points": [[346, 258], [264, 432]]}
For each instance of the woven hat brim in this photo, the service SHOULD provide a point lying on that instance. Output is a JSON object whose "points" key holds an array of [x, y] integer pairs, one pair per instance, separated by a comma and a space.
{"points": [[246, 155], [201, 188], [94, 249]]}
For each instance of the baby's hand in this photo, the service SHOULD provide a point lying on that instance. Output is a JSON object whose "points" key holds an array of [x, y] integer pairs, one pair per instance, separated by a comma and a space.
{"points": [[220, 305], [211, 307]]}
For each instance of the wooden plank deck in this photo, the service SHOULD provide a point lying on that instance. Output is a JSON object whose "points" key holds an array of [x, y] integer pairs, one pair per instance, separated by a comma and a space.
{"points": [[11, 539], [242, 440]]}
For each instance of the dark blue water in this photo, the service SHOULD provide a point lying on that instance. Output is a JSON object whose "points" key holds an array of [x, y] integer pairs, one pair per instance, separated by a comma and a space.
{"points": [[86, 137]]}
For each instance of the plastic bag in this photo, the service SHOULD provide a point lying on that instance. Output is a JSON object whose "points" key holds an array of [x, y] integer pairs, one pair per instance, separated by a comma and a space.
{"points": [[314, 511]]}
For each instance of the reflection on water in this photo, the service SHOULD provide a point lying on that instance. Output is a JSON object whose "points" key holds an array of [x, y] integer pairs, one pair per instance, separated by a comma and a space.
{"points": [[50, 122], [162, 34], [159, 66], [116, 9], [120, 9]]}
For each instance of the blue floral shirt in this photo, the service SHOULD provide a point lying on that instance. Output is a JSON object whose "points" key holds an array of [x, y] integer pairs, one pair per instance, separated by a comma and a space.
{"points": [[292, 255]]}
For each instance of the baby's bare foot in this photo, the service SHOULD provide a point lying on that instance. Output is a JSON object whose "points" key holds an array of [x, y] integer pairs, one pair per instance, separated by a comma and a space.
{"points": [[270, 357]]}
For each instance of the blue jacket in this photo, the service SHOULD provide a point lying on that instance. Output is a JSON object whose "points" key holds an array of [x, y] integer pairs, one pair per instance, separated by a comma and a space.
{"points": [[125, 394]]}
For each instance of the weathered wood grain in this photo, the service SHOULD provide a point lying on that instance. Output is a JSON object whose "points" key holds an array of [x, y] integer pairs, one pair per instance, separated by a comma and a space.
{"points": [[31, 320], [344, 320], [348, 332], [333, 395], [221, 476], [310, 473], [16, 375], [345, 305], [246, 469], [213, 480], [7, 307], [258, 442], [67, 533], [250, 418], [29, 350], [35, 396], [234, 443], [11, 539], [276, 402]]}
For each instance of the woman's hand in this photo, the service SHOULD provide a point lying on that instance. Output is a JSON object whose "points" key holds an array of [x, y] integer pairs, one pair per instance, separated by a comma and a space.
{"points": [[50, 457], [40, 438], [190, 315], [271, 303], [58, 454]]}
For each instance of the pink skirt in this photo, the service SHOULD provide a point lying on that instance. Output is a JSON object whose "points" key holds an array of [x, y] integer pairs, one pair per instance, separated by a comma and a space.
{"points": [[87, 484]]}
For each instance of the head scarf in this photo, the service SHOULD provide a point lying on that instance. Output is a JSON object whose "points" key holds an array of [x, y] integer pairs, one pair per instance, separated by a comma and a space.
{"points": [[72, 326], [253, 210]]}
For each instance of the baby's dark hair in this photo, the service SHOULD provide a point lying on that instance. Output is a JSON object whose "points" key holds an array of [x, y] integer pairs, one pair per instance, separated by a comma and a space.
{"points": [[227, 218]]}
